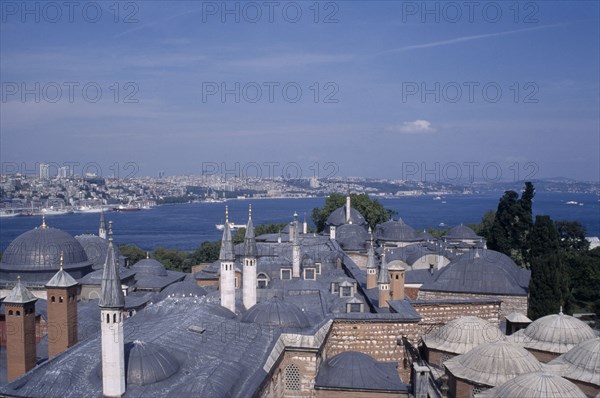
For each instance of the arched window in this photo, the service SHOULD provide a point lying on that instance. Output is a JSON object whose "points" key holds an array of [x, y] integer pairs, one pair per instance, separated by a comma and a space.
{"points": [[60, 299], [18, 313], [53, 299], [107, 318], [262, 280], [114, 318], [292, 378], [10, 312]]}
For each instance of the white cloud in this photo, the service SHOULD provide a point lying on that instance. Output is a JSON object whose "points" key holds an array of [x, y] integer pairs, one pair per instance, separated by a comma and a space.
{"points": [[415, 127]]}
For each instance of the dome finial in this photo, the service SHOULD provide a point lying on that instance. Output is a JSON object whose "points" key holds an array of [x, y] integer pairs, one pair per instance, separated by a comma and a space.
{"points": [[110, 233], [560, 313], [227, 214], [44, 221], [147, 255], [249, 211], [61, 260]]}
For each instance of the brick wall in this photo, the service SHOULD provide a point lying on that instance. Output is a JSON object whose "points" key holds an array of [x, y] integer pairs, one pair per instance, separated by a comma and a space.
{"points": [[377, 339], [509, 303], [434, 315], [306, 362], [543, 356], [358, 394]]}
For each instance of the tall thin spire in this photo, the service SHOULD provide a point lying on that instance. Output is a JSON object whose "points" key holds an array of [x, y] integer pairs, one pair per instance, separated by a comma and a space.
{"points": [[250, 249], [226, 253], [61, 260], [384, 275], [44, 226], [111, 295], [102, 226]]}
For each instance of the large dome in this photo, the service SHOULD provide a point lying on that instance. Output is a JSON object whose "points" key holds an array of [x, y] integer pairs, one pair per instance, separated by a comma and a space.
{"points": [[461, 232], [352, 237], [535, 385], [35, 256], [483, 272], [338, 217], [396, 231], [275, 312], [493, 364], [149, 267], [461, 335], [557, 333], [96, 248]]}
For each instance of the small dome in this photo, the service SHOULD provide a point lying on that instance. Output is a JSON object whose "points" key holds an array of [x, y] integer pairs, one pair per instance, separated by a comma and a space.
{"points": [[352, 237], [149, 266], [461, 232], [581, 363], [338, 217], [355, 370], [397, 265], [149, 363], [535, 385], [557, 333], [275, 312], [493, 364], [462, 335], [397, 231]]}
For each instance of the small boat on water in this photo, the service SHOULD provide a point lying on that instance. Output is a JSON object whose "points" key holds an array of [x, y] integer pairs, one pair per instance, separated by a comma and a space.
{"points": [[232, 226], [572, 202], [126, 208], [9, 213], [88, 209]]}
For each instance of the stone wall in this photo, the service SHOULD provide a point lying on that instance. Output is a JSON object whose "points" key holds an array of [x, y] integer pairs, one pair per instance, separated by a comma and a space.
{"points": [[359, 259], [358, 394], [543, 356], [304, 365], [509, 303], [377, 339], [436, 314]]}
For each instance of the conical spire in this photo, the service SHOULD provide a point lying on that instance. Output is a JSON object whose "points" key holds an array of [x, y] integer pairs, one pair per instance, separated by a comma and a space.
{"points": [[384, 275], [371, 255], [111, 295], [61, 278], [44, 226], [226, 253], [250, 249]]}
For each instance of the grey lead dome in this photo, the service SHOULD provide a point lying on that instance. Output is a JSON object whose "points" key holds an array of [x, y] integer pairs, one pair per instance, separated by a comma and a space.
{"points": [[275, 312]]}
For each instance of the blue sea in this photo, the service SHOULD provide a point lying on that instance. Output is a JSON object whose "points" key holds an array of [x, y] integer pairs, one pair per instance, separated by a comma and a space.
{"points": [[186, 226]]}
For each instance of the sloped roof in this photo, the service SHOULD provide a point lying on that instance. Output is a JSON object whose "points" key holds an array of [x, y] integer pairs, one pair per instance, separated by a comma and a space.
{"points": [[276, 312], [581, 362], [149, 363], [353, 370], [397, 231], [461, 232], [19, 294], [493, 364], [534, 385], [111, 295], [557, 333], [61, 279], [461, 335]]}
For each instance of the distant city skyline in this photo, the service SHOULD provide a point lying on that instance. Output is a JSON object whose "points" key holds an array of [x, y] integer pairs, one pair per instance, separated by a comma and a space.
{"points": [[377, 89]]}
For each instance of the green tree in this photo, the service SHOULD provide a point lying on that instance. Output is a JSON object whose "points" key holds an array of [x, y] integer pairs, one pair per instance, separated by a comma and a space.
{"points": [[572, 236], [548, 286], [512, 225], [170, 258], [372, 210], [132, 252], [484, 228], [207, 252]]}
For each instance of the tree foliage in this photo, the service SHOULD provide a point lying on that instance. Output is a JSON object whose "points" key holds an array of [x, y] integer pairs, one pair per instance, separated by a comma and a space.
{"points": [[207, 252], [371, 209], [132, 252], [544, 291], [512, 224]]}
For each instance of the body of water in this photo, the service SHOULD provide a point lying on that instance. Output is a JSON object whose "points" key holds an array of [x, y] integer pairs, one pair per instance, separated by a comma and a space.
{"points": [[186, 226]]}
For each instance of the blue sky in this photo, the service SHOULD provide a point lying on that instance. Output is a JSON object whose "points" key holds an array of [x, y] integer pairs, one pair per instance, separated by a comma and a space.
{"points": [[370, 65]]}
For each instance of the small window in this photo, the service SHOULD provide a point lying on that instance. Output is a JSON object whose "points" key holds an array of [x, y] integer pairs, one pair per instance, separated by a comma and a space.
{"points": [[114, 318], [262, 281], [292, 378], [346, 291], [354, 307], [318, 268], [335, 287], [310, 274], [397, 276], [477, 390], [286, 274], [10, 312], [444, 358], [60, 299], [52, 299], [107, 318], [18, 313]]}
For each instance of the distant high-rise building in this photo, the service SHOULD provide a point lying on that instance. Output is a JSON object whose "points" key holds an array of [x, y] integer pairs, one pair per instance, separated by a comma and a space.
{"points": [[161, 174], [64, 172], [44, 171], [314, 182]]}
